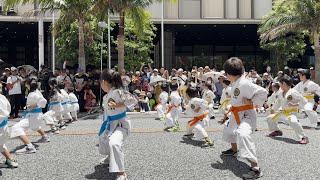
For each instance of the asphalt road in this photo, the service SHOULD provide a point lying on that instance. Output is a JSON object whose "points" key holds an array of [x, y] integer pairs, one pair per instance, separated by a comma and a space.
{"points": [[153, 154]]}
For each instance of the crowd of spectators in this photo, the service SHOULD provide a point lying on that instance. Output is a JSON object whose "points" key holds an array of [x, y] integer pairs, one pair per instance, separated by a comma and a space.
{"points": [[138, 82]]}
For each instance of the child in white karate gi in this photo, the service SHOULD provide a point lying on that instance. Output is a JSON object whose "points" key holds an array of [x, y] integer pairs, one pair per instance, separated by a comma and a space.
{"points": [[286, 108], [74, 104], [209, 95], [116, 126], [162, 106], [243, 119], [66, 116], [5, 109], [308, 89], [32, 118], [174, 109], [198, 109]]}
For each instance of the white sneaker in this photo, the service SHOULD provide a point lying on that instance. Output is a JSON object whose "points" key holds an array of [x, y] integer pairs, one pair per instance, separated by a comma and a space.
{"points": [[105, 161], [11, 163], [44, 139], [26, 150], [122, 177], [62, 128]]}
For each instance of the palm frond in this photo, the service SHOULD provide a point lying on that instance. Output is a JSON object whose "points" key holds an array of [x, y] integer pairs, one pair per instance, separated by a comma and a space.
{"points": [[279, 31]]}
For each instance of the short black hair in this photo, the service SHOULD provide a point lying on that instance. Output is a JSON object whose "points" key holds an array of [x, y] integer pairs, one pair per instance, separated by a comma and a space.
{"points": [[208, 85], [173, 86], [286, 79], [226, 82], [61, 85], [233, 66], [164, 87], [192, 92], [305, 72], [276, 85], [32, 83], [70, 89]]}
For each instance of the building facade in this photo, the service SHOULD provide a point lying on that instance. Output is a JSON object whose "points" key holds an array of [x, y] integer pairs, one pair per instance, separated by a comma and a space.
{"points": [[196, 33]]}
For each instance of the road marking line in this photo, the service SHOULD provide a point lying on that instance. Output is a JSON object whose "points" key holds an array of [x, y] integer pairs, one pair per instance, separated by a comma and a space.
{"points": [[137, 131]]}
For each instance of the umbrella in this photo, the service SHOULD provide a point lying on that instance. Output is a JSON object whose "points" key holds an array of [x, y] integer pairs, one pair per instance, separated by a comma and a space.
{"points": [[157, 79], [28, 68], [214, 76]]}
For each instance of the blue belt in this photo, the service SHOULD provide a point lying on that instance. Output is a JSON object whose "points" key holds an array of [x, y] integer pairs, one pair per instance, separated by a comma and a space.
{"points": [[106, 121], [38, 110], [4, 122], [52, 103], [73, 102], [65, 103]]}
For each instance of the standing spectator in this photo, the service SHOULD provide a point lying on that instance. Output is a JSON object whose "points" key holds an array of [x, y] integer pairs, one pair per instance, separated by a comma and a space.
{"points": [[155, 74], [3, 80], [14, 87], [219, 88], [65, 78], [295, 77], [23, 76], [125, 80], [207, 69], [166, 75], [80, 81], [173, 74], [162, 70]]}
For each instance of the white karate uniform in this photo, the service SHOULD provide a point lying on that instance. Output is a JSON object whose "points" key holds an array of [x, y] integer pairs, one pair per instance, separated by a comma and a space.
{"points": [[282, 104], [110, 142], [208, 95], [66, 107], [74, 105], [241, 134], [173, 115], [226, 92], [199, 127], [34, 121], [272, 99], [307, 88], [163, 107], [55, 111], [5, 109]]}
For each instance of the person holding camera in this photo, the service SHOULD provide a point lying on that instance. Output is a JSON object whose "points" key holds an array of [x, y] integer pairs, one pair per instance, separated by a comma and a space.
{"points": [[88, 97]]}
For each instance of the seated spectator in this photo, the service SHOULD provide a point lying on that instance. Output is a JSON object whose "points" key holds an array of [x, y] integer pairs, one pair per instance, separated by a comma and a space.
{"points": [[143, 102], [146, 86], [136, 81], [88, 96], [93, 106]]}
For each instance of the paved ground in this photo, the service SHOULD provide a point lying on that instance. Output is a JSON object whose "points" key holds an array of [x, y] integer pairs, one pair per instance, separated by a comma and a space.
{"points": [[154, 154]]}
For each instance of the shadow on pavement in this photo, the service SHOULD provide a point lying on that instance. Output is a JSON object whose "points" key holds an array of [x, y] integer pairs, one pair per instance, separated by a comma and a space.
{"points": [[191, 141], [307, 127], [101, 173], [286, 140], [22, 146], [232, 164]]}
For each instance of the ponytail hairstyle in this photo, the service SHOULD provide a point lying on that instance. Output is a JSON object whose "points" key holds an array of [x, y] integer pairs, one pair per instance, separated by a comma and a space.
{"points": [[112, 77], [32, 83], [54, 84]]}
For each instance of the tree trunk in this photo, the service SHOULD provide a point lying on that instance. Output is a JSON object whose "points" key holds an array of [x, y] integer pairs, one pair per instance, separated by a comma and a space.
{"points": [[317, 56], [121, 42], [82, 56]]}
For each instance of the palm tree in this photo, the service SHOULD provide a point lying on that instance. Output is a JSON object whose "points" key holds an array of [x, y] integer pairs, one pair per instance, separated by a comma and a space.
{"points": [[125, 8], [70, 11], [300, 15]]}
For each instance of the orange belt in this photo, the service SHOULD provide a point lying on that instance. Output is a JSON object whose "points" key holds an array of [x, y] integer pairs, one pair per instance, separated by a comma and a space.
{"points": [[196, 119], [157, 105], [236, 111], [170, 108]]}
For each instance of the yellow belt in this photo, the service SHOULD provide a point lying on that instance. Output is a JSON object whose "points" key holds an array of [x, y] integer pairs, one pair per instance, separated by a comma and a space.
{"points": [[309, 96], [224, 104], [285, 112]]}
